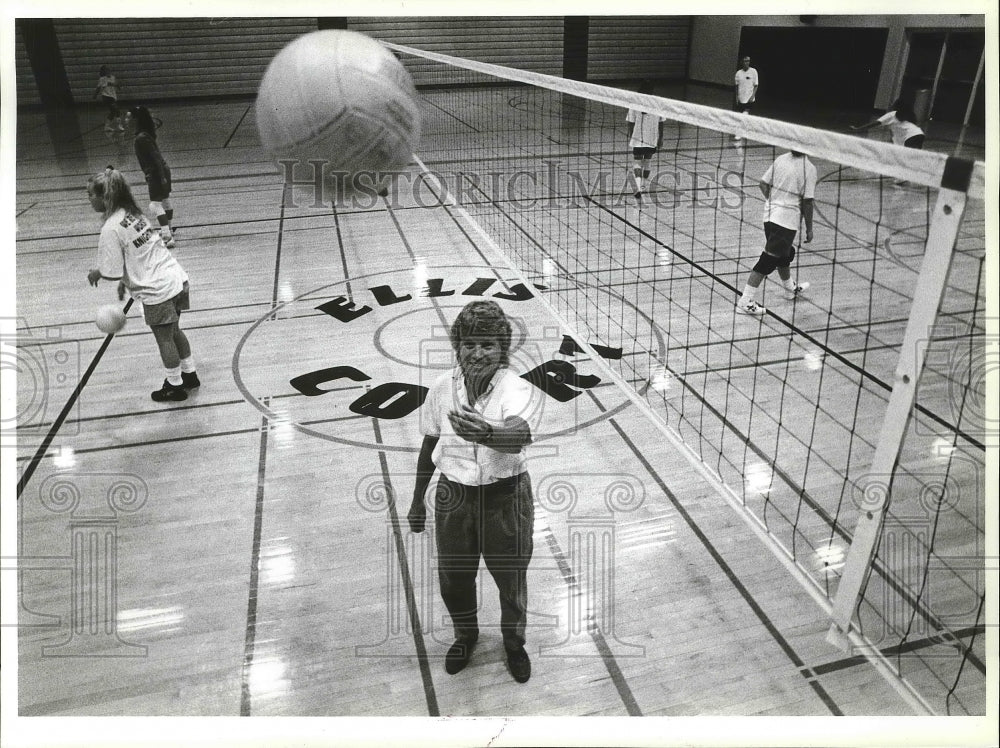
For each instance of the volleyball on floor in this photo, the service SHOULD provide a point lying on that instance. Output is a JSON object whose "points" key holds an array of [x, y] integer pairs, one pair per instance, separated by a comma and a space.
{"points": [[110, 319], [340, 97]]}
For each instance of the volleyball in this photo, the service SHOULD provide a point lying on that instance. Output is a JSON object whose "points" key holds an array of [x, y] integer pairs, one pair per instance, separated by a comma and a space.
{"points": [[110, 319], [340, 97]]}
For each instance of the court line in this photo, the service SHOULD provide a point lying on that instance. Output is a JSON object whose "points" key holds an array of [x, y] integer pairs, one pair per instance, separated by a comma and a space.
{"points": [[201, 435], [250, 639], [43, 448], [245, 113], [596, 635], [404, 571], [727, 570], [911, 646]]}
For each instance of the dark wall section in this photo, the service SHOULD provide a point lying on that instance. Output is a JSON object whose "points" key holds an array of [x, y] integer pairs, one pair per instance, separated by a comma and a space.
{"points": [[42, 48], [576, 31], [843, 69]]}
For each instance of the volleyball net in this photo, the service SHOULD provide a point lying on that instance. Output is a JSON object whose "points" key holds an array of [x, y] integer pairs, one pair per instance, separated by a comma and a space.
{"points": [[849, 425]]}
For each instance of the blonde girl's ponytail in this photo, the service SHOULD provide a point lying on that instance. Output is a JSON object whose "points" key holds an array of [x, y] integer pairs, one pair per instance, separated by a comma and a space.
{"points": [[113, 188]]}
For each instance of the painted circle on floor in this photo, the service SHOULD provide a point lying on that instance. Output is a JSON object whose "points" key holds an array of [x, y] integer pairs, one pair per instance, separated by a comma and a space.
{"points": [[351, 361]]}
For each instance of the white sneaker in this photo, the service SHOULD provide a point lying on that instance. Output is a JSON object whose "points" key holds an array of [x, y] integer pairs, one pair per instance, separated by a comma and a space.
{"points": [[797, 291], [751, 307]]}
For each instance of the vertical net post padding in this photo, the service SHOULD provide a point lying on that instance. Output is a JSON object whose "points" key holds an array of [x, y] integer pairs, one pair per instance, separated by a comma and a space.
{"points": [[945, 225]]}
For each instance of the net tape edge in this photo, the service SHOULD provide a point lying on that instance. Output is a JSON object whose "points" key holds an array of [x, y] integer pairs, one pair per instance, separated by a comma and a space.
{"points": [[915, 165]]}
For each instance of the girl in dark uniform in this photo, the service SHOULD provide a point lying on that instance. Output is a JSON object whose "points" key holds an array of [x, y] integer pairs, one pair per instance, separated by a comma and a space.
{"points": [[154, 168]]}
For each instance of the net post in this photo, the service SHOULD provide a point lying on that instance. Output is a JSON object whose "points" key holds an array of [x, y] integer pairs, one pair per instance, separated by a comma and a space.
{"points": [[877, 492]]}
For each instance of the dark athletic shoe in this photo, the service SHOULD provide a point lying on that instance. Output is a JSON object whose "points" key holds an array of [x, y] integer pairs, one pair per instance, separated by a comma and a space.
{"points": [[190, 380], [459, 655], [170, 393], [519, 665]]}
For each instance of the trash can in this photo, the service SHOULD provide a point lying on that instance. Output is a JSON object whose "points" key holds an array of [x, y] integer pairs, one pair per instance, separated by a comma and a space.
{"points": [[922, 105]]}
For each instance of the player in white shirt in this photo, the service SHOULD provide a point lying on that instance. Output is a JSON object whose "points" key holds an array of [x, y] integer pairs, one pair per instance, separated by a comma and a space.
{"points": [[901, 122], [131, 251], [745, 91], [788, 187], [645, 135], [746, 83], [478, 421]]}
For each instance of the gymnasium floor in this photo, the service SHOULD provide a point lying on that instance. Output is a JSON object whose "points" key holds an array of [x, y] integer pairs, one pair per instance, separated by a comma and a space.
{"points": [[257, 556]]}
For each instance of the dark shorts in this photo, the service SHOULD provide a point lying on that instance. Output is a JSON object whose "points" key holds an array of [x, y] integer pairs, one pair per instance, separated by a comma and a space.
{"points": [[159, 186], [744, 108], [780, 241], [643, 152], [169, 311], [914, 141], [779, 250], [109, 100]]}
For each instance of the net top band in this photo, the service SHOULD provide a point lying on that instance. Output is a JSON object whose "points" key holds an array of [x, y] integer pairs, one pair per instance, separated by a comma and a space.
{"points": [[920, 166]]}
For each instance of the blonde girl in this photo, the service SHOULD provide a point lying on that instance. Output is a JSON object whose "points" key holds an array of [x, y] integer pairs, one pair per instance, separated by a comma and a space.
{"points": [[131, 251]]}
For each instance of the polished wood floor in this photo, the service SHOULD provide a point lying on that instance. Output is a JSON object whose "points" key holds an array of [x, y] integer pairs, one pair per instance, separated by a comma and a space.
{"points": [[245, 553]]}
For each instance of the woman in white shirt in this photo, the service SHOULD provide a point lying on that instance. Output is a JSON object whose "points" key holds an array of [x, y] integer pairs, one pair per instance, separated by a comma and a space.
{"points": [[900, 120]]}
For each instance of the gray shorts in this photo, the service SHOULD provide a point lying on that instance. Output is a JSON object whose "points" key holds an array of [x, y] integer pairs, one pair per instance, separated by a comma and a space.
{"points": [[169, 311]]}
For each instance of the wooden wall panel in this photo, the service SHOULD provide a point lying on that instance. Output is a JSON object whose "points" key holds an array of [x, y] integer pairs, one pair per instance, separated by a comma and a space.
{"points": [[528, 43], [174, 58], [629, 47]]}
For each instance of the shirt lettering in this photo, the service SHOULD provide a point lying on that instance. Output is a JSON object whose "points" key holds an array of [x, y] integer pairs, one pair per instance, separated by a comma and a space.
{"points": [[142, 238]]}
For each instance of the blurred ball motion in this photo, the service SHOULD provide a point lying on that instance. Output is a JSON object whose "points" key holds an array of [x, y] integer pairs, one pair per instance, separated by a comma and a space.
{"points": [[110, 319], [340, 97]]}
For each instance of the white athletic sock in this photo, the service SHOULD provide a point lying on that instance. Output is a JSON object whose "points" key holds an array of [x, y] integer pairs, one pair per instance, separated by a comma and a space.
{"points": [[749, 294], [187, 364], [174, 376], [790, 284]]}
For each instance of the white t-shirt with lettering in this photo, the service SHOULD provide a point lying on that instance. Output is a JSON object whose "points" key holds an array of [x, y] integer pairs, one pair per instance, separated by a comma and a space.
{"points": [[467, 462], [130, 248]]}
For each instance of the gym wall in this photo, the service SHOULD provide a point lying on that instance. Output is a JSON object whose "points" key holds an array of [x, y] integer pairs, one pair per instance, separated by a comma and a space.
{"points": [[170, 59]]}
